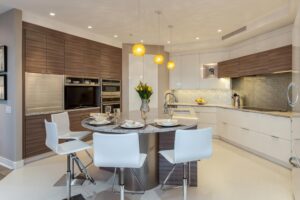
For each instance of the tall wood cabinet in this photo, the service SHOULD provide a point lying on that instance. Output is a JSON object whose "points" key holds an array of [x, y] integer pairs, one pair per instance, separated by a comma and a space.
{"points": [[44, 50], [47, 51]]}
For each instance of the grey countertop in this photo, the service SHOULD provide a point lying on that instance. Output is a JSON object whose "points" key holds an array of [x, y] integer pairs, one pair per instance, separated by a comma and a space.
{"points": [[184, 123], [273, 113]]}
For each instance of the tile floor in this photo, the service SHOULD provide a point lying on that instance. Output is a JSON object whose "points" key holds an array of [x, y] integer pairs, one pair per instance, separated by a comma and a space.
{"points": [[231, 174]]}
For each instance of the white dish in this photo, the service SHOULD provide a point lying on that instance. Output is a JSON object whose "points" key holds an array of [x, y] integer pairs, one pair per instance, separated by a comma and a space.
{"points": [[132, 124], [103, 122], [167, 122]]}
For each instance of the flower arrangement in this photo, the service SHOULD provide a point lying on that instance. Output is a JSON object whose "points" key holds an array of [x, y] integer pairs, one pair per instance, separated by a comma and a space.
{"points": [[145, 91]]}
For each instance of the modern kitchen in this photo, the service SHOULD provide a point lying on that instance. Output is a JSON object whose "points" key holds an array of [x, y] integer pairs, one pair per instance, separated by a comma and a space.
{"points": [[150, 100]]}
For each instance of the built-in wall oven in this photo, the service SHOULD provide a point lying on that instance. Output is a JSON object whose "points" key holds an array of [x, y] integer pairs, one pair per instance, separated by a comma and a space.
{"points": [[110, 94]]}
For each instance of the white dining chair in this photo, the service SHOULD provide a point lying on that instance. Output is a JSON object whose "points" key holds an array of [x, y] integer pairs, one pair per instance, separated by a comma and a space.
{"points": [[67, 148], [189, 146], [118, 151], [64, 133]]}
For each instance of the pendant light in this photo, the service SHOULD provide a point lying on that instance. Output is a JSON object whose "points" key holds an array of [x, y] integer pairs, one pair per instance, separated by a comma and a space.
{"points": [[138, 49], [170, 64], [159, 58]]}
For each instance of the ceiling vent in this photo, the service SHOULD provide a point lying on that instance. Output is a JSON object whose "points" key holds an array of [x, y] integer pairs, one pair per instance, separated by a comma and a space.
{"points": [[233, 33]]}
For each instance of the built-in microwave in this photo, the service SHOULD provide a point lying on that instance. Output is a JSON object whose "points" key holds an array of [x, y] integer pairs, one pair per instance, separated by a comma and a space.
{"points": [[111, 87]]}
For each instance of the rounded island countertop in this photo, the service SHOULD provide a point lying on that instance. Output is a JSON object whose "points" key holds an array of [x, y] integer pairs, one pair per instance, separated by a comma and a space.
{"points": [[184, 122]]}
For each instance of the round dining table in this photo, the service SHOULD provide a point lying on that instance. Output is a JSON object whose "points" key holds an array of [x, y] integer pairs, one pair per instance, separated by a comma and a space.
{"points": [[152, 138]]}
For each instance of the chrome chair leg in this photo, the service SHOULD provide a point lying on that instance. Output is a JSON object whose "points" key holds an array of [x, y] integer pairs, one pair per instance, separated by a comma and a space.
{"points": [[69, 177], [83, 169], [167, 178], [113, 186], [137, 180], [91, 157], [121, 182], [185, 177]]}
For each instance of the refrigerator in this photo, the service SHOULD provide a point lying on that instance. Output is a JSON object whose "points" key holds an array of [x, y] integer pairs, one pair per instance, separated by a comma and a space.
{"points": [[294, 102]]}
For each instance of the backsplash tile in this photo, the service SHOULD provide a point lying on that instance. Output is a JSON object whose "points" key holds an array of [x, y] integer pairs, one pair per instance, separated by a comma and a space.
{"points": [[267, 91], [212, 96]]}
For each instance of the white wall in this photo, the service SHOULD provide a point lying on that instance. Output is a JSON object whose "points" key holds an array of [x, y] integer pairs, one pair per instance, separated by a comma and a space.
{"points": [[145, 70], [11, 122]]}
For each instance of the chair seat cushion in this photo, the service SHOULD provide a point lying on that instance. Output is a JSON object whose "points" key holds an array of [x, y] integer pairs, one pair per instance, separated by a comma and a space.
{"points": [[72, 147], [168, 155], [74, 135]]}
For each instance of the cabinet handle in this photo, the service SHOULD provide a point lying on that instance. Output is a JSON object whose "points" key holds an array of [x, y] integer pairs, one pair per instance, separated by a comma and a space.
{"points": [[275, 137], [246, 129]]}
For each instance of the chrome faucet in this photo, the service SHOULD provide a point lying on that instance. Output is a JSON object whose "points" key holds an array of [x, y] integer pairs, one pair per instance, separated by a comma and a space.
{"points": [[166, 102]]}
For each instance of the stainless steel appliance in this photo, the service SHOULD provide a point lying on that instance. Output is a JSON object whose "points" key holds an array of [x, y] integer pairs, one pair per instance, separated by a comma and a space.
{"points": [[110, 94], [111, 87]]}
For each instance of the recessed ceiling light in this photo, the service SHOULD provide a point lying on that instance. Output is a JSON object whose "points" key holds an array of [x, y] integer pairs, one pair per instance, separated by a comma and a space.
{"points": [[116, 36], [169, 42], [219, 30], [90, 27], [197, 38], [142, 41], [52, 14]]}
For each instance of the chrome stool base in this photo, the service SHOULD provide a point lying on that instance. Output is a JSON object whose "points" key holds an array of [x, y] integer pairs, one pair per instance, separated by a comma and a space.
{"points": [[76, 197], [77, 181]]}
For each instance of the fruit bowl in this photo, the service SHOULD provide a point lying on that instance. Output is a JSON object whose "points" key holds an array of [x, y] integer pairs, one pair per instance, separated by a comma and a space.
{"points": [[200, 101]]}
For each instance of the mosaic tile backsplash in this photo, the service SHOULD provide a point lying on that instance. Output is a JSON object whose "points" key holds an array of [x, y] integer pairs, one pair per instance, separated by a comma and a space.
{"points": [[263, 91], [212, 96]]}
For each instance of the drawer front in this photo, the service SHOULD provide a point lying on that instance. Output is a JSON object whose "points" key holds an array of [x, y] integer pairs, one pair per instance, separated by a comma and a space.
{"points": [[267, 124], [207, 125], [205, 109], [209, 118], [275, 147], [270, 125]]}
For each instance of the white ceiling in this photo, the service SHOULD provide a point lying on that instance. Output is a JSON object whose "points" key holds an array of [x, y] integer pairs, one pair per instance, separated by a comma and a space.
{"points": [[190, 18]]}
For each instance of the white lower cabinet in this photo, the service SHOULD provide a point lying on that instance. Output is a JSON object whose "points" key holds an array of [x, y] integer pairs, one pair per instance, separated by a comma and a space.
{"points": [[267, 144]]}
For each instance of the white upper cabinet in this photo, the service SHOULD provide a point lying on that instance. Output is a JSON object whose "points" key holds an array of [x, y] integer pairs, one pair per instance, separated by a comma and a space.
{"points": [[174, 75], [188, 72]]}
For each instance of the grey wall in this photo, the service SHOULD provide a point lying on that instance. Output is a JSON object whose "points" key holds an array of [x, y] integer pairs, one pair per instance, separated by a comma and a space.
{"points": [[163, 74], [11, 123], [263, 91]]}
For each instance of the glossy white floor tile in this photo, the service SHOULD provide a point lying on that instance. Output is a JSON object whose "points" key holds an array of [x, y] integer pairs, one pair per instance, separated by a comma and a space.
{"points": [[231, 174]]}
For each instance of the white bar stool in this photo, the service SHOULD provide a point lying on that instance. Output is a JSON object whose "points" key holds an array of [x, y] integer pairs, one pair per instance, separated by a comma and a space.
{"points": [[189, 146], [66, 148], [118, 151], [64, 133]]}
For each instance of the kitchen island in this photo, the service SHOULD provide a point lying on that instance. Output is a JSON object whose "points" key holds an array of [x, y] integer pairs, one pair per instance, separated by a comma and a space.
{"points": [[152, 139]]}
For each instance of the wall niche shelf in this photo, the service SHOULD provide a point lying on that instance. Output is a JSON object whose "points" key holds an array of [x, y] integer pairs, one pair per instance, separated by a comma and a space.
{"points": [[81, 81]]}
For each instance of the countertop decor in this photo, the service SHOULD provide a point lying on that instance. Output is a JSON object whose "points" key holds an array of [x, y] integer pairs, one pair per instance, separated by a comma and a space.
{"points": [[145, 91]]}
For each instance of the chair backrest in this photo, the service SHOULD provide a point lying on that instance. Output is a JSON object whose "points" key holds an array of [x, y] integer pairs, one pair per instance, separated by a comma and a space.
{"points": [[62, 122], [192, 145], [51, 135], [116, 150]]}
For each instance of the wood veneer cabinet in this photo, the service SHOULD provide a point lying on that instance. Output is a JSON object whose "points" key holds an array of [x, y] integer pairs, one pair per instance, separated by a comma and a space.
{"points": [[44, 50], [52, 52], [35, 134], [274, 60]]}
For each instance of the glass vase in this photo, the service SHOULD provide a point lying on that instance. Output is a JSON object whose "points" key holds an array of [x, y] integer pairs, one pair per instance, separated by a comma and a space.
{"points": [[145, 109]]}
